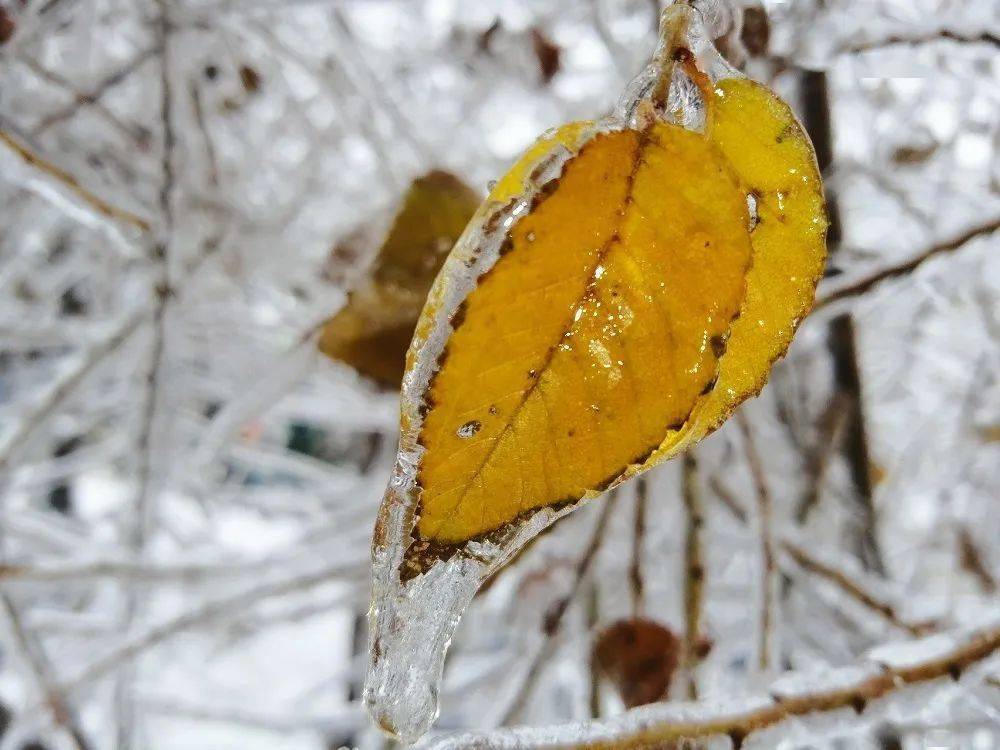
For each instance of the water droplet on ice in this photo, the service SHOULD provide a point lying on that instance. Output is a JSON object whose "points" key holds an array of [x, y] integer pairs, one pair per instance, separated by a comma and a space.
{"points": [[469, 429], [491, 184]]}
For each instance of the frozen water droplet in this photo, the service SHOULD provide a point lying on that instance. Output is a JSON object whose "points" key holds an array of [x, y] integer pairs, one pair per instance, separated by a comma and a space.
{"points": [[752, 209], [469, 429], [491, 184], [530, 236]]}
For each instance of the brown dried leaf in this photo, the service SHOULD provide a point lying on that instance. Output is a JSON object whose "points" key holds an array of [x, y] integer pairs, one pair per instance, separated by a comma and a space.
{"points": [[373, 330], [638, 657]]}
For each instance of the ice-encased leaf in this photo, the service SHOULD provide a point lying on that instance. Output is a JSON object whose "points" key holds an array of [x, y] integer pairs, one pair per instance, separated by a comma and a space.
{"points": [[576, 336]]}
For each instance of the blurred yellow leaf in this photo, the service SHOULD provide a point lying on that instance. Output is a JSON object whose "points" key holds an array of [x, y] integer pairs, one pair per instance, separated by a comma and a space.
{"points": [[373, 329], [591, 338]]}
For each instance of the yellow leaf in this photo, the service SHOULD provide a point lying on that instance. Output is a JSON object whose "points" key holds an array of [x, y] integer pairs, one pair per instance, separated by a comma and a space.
{"points": [[599, 314], [373, 329], [767, 148], [592, 336]]}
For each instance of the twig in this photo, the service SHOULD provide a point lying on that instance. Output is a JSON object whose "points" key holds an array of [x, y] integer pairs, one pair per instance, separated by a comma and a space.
{"points": [[61, 712], [199, 117], [694, 571], [132, 572], [728, 499], [354, 61], [651, 726], [141, 522], [93, 97], [855, 590], [766, 532], [63, 387], [272, 382], [593, 618], [554, 617], [945, 34], [840, 578], [868, 283], [68, 181], [638, 535], [209, 612], [346, 718], [817, 459], [847, 378], [972, 561]]}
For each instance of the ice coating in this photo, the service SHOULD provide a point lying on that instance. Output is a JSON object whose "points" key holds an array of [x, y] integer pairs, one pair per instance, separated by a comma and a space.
{"points": [[413, 619], [799, 703], [420, 593]]}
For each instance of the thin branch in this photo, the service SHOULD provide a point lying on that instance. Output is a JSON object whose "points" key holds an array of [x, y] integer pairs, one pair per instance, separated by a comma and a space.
{"points": [[94, 96], [129, 572], [199, 117], [211, 611], [944, 34], [554, 617], [905, 268], [725, 495], [163, 291], [593, 618], [817, 458], [864, 526], [638, 536], [345, 719], [855, 590], [652, 726], [768, 581], [54, 699], [64, 387], [973, 562], [264, 389], [70, 183], [845, 581], [142, 513], [694, 571]]}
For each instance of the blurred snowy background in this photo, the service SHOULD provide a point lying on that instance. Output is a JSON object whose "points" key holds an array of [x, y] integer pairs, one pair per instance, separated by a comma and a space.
{"points": [[187, 487]]}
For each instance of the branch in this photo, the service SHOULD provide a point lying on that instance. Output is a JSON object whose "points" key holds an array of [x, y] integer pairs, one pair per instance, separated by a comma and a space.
{"points": [[93, 97], [129, 572], [638, 535], [905, 268], [209, 612], [62, 389], [843, 580], [944, 34], [70, 183], [852, 687], [973, 562], [765, 528], [855, 590], [694, 572], [554, 617], [346, 718], [54, 699], [847, 380], [816, 458]]}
